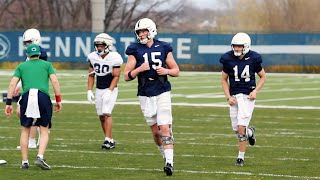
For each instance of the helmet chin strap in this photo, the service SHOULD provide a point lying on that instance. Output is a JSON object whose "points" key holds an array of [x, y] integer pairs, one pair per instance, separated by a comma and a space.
{"points": [[101, 53], [237, 53], [144, 41]]}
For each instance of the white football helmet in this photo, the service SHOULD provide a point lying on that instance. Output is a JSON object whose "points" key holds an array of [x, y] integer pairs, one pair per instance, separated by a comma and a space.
{"points": [[32, 35], [105, 39], [148, 24], [241, 39]]}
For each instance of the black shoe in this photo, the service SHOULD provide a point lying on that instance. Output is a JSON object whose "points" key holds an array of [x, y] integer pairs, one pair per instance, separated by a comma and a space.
{"points": [[108, 145], [252, 139], [168, 169], [42, 164], [24, 166], [240, 162]]}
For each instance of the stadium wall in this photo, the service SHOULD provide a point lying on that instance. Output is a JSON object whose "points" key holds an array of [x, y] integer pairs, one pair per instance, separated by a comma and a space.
{"points": [[197, 52]]}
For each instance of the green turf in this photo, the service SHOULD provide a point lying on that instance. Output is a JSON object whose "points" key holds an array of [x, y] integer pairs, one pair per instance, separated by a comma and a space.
{"points": [[205, 147]]}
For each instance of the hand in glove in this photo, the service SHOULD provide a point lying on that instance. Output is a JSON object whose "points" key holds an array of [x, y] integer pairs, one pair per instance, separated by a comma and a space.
{"points": [[90, 96]]}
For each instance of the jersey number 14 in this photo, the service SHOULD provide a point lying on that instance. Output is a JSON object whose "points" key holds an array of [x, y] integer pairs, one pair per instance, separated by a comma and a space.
{"points": [[245, 73]]}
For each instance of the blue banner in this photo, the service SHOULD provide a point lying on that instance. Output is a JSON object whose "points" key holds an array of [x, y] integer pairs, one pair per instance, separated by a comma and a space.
{"points": [[276, 49]]}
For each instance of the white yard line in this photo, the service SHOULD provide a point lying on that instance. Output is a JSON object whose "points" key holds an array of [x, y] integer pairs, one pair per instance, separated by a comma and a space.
{"points": [[241, 173]]}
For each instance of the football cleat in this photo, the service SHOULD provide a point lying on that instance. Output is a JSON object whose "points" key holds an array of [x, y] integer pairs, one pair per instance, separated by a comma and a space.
{"points": [[3, 162], [42, 164], [108, 145], [239, 162], [252, 139], [168, 169], [24, 166]]}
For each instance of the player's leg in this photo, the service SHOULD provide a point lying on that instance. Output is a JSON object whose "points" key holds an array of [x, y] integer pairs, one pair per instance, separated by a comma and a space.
{"points": [[157, 138], [251, 129], [45, 108], [164, 121], [32, 137], [244, 132], [24, 147], [25, 130], [107, 108], [234, 124], [44, 139], [152, 123]]}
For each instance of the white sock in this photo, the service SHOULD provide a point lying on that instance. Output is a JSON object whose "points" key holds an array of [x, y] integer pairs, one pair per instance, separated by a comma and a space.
{"points": [[24, 161], [40, 156], [169, 156], [249, 131], [241, 155], [32, 141], [161, 151], [108, 139]]}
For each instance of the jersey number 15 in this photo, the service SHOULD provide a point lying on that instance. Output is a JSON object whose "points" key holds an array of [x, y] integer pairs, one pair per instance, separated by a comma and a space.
{"points": [[156, 62]]}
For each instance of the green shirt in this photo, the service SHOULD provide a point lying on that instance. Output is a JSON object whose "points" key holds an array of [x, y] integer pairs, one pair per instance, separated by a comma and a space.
{"points": [[34, 74]]}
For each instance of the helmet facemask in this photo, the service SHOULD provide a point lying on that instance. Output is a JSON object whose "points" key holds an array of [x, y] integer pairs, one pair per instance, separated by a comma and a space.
{"points": [[101, 52], [103, 39]]}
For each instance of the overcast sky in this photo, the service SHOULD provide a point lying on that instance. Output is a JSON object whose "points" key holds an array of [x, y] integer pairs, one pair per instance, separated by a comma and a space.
{"points": [[209, 4]]}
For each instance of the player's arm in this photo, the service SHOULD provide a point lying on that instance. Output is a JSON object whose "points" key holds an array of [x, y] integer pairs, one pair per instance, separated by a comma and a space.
{"points": [[263, 77], [130, 72], [90, 78], [57, 92], [12, 86], [116, 75], [172, 67], [225, 86]]}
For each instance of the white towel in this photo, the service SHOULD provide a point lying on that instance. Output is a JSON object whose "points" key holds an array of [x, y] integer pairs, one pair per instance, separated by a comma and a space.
{"points": [[32, 110], [242, 107], [150, 107]]}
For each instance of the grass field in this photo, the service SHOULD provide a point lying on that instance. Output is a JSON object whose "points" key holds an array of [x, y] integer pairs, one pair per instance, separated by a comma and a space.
{"points": [[286, 118]]}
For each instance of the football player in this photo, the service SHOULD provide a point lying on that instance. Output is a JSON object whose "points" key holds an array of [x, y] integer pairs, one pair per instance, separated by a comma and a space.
{"points": [[151, 61], [31, 36], [35, 104], [106, 67], [239, 85]]}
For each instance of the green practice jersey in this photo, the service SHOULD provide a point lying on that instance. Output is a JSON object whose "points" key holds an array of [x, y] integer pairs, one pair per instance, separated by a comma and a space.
{"points": [[34, 74]]}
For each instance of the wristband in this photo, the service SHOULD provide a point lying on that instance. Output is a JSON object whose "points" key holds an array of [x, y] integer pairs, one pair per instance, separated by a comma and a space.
{"points": [[168, 71], [58, 98], [9, 102], [129, 75], [228, 99]]}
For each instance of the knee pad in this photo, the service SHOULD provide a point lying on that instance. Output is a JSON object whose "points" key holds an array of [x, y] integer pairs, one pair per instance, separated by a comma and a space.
{"points": [[167, 140], [243, 137]]}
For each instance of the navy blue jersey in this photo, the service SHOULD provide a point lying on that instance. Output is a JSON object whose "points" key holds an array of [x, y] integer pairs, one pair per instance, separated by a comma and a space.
{"points": [[43, 55], [241, 72], [149, 82]]}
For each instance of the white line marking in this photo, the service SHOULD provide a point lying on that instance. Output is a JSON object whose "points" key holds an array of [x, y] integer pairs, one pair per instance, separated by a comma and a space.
{"points": [[183, 171]]}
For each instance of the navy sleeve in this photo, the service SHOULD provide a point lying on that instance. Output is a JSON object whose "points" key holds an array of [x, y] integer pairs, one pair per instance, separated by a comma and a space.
{"points": [[167, 47], [131, 49], [258, 66], [222, 61], [43, 54]]}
